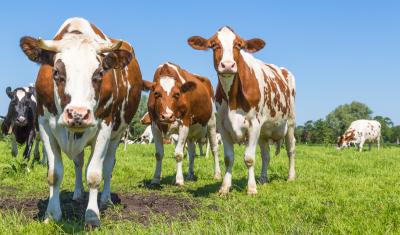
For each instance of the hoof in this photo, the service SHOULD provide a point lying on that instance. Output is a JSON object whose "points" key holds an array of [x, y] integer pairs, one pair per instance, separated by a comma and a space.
{"points": [[251, 191], [92, 220], [49, 217], [191, 177], [217, 176], [223, 191], [291, 178], [263, 180], [179, 183], [154, 186], [91, 226]]}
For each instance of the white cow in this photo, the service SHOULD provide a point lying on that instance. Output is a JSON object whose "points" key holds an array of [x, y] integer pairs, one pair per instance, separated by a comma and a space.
{"points": [[359, 132]]}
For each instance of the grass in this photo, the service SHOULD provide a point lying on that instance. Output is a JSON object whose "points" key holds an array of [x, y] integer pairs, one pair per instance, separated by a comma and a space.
{"points": [[344, 192]]}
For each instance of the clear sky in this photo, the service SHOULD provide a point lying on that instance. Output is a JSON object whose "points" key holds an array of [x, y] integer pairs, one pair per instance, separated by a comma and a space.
{"points": [[339, 51]]}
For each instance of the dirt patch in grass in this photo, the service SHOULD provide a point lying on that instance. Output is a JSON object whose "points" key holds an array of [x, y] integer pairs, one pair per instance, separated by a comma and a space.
{"points": [[133, 207]]}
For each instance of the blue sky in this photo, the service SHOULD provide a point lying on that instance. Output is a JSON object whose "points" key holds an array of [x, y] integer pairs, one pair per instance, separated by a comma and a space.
{"points": [[339, 51]]}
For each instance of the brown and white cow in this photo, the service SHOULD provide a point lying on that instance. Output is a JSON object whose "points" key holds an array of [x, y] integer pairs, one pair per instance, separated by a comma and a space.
{"points": [[255, 102], [88, 89], [359, 132], [181, 102]]}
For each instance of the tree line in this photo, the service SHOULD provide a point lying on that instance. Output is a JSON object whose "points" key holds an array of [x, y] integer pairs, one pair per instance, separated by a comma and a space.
{"points": [[327, 130]]}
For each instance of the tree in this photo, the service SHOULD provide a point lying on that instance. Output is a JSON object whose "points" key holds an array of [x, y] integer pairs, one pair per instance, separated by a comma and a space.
{"points": [[386, 128]]}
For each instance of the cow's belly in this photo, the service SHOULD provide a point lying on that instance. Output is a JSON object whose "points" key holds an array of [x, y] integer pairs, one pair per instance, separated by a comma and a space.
{"points": [[197, 132], [274, 130]]}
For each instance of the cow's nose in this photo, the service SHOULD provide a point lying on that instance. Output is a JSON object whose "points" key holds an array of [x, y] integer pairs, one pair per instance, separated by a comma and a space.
{"points": [[21, 119], [227, 67], [167, 117], [77, 116]]}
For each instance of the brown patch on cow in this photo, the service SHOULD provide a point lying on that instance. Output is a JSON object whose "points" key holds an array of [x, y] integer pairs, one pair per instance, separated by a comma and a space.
{"points": [[346, 137], [98, 31], [45, 91], [146, 120], [140, 208]]}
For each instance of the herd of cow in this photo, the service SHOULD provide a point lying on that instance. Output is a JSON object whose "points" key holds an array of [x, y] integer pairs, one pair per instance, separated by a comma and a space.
{"points": [[89, 86]]}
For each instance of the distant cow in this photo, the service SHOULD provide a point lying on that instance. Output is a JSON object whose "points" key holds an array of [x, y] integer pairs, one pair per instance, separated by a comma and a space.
{"points": [[181, 102], [88, 90], [359, 132], [254, 100], [21, 121]]}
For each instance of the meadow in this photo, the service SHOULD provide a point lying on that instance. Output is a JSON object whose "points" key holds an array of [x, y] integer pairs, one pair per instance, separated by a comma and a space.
{"points": [[336, 192]]}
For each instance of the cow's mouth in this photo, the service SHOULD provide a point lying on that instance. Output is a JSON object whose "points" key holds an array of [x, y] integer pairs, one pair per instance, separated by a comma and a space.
{"points": [[20, 124]]}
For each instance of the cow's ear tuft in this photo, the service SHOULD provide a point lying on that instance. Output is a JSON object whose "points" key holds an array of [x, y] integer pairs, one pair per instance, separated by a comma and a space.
{"points": [[198, 43], [147, 86], [254, 45], [9, 92], [188, 86]]}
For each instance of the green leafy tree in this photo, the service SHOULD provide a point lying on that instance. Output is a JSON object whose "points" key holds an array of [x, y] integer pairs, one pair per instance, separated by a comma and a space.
{"points": [[386, 128], [135, 127]]}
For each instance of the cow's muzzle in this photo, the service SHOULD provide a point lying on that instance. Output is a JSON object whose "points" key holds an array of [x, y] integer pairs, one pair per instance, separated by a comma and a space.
{"points": [[78, 118], [167, 118], [21, 121]]}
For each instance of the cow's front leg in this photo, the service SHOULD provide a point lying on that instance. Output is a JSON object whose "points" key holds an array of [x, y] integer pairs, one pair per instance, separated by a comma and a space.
{"points": [[78, 163], [180, 146], [229, 159], [28, 145], [158, 143], [108, 167], [55, 171], [14, 146], [94, 174], [192, 155], [36, 154], [250, 156]]}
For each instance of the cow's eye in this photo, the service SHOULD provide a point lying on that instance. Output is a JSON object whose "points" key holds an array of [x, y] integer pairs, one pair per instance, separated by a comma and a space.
{"points": [[157, 94], [177, 95]]}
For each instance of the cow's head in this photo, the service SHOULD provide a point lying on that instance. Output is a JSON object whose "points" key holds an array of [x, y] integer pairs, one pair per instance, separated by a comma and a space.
{"points": [[79, 65], [346, 139], [167, 98], [226, 45], [21, 106]]}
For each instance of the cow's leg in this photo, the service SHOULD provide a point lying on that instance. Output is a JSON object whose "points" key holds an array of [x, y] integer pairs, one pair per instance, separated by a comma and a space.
{"points": [[44, 157], [159, 145], [78, 163], [108, 167], [369, 146], [55, 171], [250, 156], [179, 151], [28, 145], [207, 148], [200, 148], [36, 154], [378, 142], [94, 174], [360, 147], [228, 159], [14, 146], [290, 142], [213, 143], [264, 148], [192, 155]]}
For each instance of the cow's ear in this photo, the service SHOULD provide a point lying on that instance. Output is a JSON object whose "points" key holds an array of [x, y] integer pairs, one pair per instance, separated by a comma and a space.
{"points": [[254, 45], [30, 47], [117, 59], [188, 86], [9, 92], [198, 43], [147, 86]]}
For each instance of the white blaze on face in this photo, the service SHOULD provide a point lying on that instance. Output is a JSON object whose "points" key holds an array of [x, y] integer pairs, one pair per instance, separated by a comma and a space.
{"points": [[226, 37], [80, 59], [167, 83], [20, 94]]}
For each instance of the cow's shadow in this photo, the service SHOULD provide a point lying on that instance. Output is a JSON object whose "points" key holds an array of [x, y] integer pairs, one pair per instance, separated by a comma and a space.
{"points": [[73, 212]]}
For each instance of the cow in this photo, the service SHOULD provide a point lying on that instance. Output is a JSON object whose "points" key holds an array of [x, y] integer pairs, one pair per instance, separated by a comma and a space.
{"points": [[181, 103], [21, 121], [359, 132], [254, 100], [88, 90]]}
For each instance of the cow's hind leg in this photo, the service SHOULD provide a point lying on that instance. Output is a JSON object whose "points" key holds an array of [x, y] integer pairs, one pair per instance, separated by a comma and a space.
{"points": [[192, 155], [265, 156], [108, 166], [78, 192], [55, 172], [290, 142]]}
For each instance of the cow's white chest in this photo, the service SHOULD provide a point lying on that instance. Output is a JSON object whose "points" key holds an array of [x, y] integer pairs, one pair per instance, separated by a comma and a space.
{"points": [[235, 122]]}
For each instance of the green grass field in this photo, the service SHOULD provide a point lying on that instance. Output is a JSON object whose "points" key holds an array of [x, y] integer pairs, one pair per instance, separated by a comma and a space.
{"points": [[334, 193]]}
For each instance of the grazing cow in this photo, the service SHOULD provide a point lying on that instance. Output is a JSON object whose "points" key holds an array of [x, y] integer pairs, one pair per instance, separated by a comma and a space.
{"points": [[146, 137], [359, 132], [254, 100], [88, 90], [21, 121], [181, 102]]}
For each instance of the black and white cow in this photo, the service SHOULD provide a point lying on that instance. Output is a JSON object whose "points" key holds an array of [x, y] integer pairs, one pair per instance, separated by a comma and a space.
{"points": [[21, 120]]}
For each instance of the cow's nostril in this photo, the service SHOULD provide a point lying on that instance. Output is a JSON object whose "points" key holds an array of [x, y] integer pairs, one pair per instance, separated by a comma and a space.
{"points": [[69, 115], [86, 117], [233, 65], [222, 65]]}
